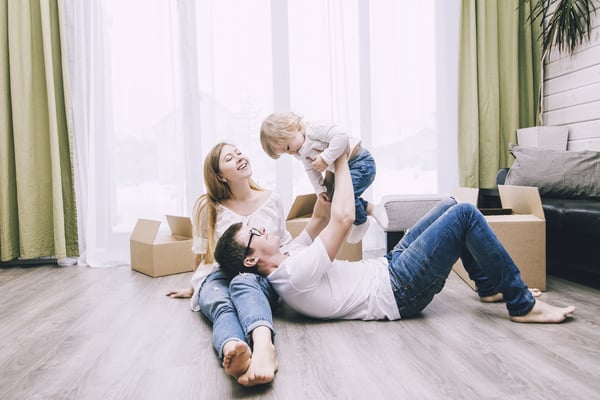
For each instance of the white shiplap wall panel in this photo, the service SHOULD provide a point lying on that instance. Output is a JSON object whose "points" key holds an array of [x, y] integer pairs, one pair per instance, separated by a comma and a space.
{"points": [[584, 130], [586, 144], [572, 97], [572, 92], [583, 58], [572, 80], [572, 115]]}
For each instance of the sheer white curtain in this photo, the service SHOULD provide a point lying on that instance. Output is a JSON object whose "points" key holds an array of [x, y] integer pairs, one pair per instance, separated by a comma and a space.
{"points": [[156, 83], [135, 130]]}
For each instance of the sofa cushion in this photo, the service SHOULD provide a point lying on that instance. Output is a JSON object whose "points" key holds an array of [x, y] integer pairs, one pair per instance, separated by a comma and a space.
{"points": [[405, 210], [566, 174]]}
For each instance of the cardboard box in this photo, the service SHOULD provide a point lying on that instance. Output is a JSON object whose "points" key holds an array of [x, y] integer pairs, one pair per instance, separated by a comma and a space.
{"points": [[523, 232], [548, 137], [165, 254], [300, 214]]}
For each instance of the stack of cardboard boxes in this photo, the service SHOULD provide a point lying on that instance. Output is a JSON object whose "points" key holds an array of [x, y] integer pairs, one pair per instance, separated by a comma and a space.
{"points": [[522, 231]]}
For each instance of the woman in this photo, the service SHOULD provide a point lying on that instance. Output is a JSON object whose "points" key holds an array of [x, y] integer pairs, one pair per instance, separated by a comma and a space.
{"points": [[244, 343]]}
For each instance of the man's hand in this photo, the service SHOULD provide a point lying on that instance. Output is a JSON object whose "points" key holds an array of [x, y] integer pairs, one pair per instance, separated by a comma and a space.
{"points": [[319, 164], [324, 196], [181, 293], [322, 208]]}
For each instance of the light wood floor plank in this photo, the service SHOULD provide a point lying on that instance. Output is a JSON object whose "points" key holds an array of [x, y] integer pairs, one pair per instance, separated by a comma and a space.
{"points": [[82, 333]]}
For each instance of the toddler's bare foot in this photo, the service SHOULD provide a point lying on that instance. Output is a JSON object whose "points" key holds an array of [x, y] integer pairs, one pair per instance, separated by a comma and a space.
{"points": [[263, 366], [236, 358], [495, 298], [545, 313]]}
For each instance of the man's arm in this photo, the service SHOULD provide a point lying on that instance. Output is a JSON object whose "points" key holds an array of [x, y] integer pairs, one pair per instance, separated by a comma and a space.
{"points": [[320, 216], [342, 211]]}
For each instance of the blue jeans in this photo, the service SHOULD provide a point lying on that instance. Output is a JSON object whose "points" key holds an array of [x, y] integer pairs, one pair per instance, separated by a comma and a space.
{"points": [[217, 304], [362, 172], [421, 262]]}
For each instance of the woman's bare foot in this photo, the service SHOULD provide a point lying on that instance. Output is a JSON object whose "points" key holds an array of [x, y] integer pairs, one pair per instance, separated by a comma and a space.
{"points": [[236, 358], [263, 366], [545, 313], [495, 298]]}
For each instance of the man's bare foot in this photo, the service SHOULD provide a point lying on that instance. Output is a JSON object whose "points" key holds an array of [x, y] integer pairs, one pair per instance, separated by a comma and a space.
{"points": [[545, 313], [263, 366], [495, 298], [236, 358]]}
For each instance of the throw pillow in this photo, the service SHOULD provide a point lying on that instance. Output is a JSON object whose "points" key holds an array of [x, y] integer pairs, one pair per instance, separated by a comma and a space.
{"points": [[556, 173]]}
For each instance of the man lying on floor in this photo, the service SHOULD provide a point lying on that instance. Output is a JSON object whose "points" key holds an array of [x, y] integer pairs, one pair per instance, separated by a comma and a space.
{"points": [[399, 285]]}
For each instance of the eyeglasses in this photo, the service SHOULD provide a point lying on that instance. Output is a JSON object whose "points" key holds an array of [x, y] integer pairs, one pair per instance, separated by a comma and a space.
{"points": [[253, 232]]}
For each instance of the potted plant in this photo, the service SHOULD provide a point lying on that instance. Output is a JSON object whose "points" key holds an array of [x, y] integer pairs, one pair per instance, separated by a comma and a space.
{"points": [[564, 25]]}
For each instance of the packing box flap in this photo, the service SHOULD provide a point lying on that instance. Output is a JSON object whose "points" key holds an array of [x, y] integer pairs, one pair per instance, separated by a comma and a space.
{"points": [[521, 199], [466, 195], [180, 226], [514, 218], [303, 206], [145, 231]]}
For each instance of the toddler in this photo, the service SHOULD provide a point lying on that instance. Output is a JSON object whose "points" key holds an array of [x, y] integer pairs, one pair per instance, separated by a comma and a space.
{"points": [[318, 145]]}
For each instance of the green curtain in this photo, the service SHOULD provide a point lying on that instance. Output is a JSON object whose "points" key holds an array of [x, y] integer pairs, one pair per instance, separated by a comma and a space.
{"points": [[37, 200], [500, 82]]}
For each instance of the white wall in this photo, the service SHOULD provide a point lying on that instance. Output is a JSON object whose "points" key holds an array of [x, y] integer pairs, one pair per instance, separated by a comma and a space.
{"points": [[572, 92]]}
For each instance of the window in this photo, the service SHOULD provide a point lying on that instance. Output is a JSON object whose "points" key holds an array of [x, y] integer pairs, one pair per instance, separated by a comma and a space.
{"points": [[157, 83]]}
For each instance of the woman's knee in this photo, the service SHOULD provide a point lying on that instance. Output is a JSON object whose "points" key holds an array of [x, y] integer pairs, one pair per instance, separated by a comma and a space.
{"points": [[247, 280], [214, 299], [254, 285]]}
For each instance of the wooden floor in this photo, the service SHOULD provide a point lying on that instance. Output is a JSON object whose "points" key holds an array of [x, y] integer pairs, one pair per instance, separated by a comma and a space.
{"points": [[81, 333]]}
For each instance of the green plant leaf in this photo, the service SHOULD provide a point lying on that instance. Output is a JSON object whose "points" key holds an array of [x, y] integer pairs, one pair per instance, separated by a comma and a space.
{"points": [[565, 24]]}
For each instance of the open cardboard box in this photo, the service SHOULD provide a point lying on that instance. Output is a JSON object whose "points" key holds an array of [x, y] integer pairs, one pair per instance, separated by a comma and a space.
{"points": [[165, 254], [300, 214], [523, 232]]}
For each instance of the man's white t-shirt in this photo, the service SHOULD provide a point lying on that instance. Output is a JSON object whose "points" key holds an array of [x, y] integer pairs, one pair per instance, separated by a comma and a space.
{"points": [[310, 283]]}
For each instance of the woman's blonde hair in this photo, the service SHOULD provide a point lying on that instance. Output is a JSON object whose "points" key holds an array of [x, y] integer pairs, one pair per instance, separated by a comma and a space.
{"points": [[276, 129], [205, 208]]}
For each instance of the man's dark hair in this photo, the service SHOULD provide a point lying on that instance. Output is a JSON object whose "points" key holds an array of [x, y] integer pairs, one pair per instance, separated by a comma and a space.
{"points": [[230, 254]]}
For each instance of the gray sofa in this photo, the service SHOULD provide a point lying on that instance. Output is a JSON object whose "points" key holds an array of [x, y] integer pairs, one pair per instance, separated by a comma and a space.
{"points": [[569, 184]]}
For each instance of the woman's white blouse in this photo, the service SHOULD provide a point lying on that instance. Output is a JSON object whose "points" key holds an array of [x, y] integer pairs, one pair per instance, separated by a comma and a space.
{"points": [[268, 216]]}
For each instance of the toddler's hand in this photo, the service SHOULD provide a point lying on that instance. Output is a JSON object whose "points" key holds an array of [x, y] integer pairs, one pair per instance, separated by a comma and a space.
{"points": [[319, 164]]}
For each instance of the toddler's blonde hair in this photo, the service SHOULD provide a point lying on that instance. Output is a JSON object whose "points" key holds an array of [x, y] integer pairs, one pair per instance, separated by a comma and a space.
{"points": [[276, 129]]}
